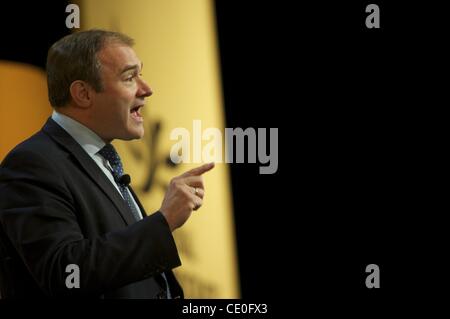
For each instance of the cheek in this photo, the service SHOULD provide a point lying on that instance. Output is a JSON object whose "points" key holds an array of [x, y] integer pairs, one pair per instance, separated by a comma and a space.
{"points": [[118, 103], [113, 112], [125, 99]]}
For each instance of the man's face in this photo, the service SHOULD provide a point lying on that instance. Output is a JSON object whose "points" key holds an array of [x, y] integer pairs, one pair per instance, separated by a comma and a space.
{"points": [[117, 108]]}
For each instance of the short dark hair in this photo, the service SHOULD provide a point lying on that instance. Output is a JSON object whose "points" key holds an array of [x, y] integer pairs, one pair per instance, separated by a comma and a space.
{"points": [[74, 57]]}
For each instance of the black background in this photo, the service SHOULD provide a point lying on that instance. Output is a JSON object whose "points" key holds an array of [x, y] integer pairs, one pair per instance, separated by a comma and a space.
{"points": [[355, 111]]}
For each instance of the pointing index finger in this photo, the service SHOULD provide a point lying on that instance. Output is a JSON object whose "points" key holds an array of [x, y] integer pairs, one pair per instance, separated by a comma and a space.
{"points": [[199, 170]]}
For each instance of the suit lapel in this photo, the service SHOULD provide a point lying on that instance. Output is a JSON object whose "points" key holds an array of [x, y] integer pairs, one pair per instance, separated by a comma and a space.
{"points": [[144, 213], [58, 134]]}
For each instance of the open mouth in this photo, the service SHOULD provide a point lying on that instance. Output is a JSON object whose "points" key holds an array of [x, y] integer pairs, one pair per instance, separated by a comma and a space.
{"points": [[136, 113]]}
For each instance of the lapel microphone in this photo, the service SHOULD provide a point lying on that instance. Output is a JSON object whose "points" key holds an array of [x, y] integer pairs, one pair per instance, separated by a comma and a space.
{"points": [[124, 180]]}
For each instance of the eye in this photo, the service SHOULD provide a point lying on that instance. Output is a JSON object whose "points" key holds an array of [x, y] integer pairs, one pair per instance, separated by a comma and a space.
{"points": [[131, 78]]}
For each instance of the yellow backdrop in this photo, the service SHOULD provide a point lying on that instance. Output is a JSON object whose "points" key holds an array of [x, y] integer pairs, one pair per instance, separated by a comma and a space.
{"points": [[177, 42], [24, 105]]}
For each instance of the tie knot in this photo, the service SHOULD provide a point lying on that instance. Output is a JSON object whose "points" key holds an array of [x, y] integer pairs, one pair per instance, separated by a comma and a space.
{"points": [[110, 154]]}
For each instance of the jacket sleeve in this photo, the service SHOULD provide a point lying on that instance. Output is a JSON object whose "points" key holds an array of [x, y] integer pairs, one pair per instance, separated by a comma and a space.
{"points": [[38, 217]]}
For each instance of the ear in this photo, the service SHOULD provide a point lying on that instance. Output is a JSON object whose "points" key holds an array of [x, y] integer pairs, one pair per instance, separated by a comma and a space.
{"points": [[81, 93]]}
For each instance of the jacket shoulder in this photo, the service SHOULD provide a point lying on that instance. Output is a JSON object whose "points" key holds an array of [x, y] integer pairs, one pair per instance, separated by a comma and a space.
{"points": [[36, 156], [40, 145]]}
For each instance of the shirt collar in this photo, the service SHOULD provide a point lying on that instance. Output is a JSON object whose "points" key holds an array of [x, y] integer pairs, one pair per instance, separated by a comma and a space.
{"points": [[87, 139]]}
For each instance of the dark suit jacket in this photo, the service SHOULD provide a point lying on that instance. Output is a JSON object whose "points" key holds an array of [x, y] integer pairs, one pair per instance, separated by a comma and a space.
{"points": [[58, 208]]}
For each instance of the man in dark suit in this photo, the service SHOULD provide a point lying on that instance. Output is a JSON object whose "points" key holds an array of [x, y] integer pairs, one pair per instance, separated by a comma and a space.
{"points": [[65, 202]]}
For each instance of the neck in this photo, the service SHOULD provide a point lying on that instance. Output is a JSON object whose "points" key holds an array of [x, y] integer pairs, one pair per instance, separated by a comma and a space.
{"points": [[82, 117]]}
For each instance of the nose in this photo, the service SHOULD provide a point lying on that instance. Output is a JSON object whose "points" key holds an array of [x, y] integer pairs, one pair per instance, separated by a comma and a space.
{"points": [[144, 89]]}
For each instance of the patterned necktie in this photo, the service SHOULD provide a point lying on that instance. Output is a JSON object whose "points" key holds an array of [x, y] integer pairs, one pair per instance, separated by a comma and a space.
{"points": [[110, 154]]}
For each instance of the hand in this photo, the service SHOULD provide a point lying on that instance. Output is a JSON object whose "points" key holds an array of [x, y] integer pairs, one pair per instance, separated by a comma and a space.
{"points": [[185, 194]]}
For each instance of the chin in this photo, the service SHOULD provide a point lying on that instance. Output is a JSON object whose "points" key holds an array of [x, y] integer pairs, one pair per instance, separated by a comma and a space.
{"points": [[135, 135]]}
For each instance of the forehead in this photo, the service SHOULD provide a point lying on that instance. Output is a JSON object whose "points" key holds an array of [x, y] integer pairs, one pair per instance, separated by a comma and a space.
{"points": [[115, 56]]}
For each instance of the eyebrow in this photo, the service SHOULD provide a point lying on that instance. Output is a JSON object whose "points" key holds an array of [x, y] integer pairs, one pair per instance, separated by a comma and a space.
{"points": [[131, 67]]}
